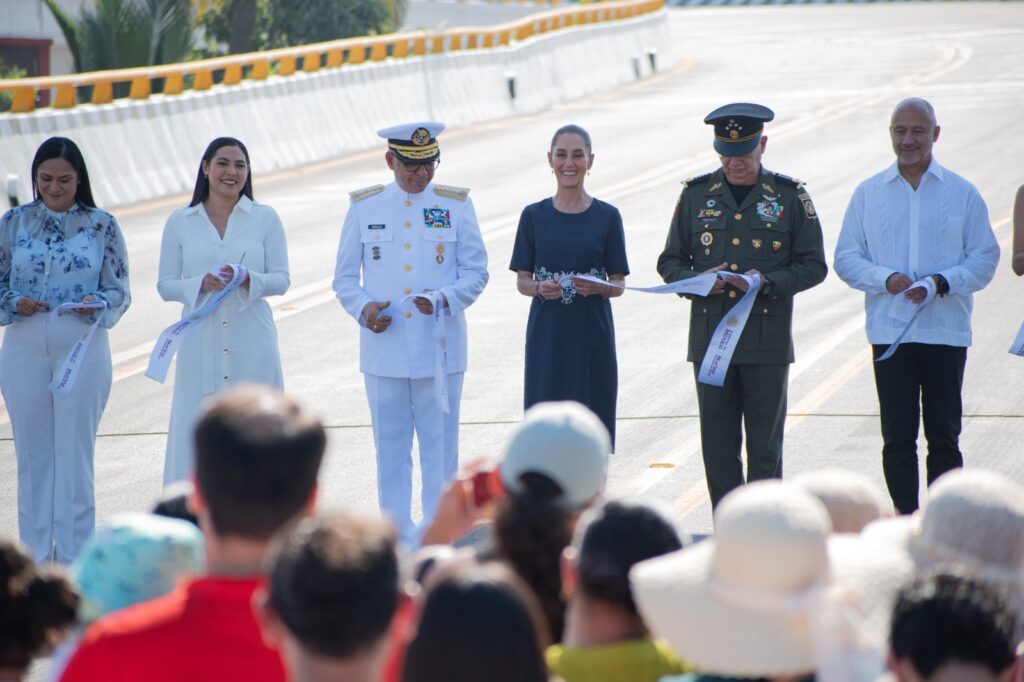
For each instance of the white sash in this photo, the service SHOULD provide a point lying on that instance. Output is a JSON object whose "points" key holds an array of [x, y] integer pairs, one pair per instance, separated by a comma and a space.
{"points": [[727, 334], [440, 348], [172, 337], [1018, 343], [66, 376], [694, 286], [906, 311]]}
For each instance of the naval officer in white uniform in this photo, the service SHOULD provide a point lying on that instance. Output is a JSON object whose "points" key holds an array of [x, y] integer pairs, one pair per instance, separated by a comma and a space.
{"points": [[404, 238]]}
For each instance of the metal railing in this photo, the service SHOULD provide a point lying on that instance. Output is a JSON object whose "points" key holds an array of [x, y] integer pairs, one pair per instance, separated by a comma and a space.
{"points": [[258, 66]]}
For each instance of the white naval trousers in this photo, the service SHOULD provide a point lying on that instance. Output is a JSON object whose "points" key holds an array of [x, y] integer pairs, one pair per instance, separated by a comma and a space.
{"points": [[54, 437], [397, 407]]}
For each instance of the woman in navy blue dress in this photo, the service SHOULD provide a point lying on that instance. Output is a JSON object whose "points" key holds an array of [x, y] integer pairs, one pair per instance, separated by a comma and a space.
{"points": [[570, 336]]}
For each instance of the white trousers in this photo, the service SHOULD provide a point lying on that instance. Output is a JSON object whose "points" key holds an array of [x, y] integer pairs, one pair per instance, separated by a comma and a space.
{"points": [[54, 437], [397, 408]]}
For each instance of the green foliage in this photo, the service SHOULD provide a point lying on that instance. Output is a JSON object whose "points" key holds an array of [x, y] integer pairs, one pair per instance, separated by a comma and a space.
{"points": [[285, 23], [7, 72], [115, 34]]}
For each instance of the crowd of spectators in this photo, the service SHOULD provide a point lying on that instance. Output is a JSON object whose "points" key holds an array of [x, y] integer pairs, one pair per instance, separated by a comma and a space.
{"points": [[240, 577]]}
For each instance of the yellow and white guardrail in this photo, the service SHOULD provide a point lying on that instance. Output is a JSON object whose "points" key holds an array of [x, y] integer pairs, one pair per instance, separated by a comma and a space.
{"points": [[259, 66]]}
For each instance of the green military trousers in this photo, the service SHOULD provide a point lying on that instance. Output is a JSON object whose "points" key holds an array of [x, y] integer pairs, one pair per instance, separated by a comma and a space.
{"points": [[753, 397]]}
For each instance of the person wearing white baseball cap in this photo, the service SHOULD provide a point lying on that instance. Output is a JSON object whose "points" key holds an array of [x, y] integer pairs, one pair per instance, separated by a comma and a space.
{"points": [[411, 260], [555, 466]]}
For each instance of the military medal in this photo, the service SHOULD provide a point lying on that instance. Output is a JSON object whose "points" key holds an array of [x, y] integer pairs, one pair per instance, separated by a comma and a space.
{"points": [[706, 238], [440, 254]]}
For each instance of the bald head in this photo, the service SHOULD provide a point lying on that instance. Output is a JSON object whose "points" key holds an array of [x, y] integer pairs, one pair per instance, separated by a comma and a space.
{"points": [[913, 130], [921, 105]]}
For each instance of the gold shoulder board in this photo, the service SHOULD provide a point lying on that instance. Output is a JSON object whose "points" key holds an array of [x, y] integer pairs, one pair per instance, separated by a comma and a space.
{"points": [[457, 193], [365, 192]]}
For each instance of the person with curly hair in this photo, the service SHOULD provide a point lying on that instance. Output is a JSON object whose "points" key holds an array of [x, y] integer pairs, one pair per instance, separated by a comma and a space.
{"points": [[37, 606]]}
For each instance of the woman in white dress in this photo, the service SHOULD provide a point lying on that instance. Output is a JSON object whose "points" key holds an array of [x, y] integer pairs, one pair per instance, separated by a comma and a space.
{"points": [[58, 249], [238, 342]]}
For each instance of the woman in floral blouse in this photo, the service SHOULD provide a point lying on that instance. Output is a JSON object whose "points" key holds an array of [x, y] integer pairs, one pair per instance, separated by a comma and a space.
{"points": [[58, 249]]}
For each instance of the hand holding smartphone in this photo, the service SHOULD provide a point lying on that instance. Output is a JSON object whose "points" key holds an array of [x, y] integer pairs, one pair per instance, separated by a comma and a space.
{"points": [[487, 488]]}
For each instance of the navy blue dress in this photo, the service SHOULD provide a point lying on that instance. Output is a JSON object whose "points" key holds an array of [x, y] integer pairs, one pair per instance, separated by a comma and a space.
{"points": [[570, 343]]}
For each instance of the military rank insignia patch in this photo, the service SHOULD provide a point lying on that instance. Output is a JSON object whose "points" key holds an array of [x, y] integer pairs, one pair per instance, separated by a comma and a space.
{"points": [[437, 218], [805, 199]]}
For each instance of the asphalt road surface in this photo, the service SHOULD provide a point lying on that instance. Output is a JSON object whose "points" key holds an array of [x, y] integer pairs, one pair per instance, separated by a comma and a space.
{"points": [[832, 73]]}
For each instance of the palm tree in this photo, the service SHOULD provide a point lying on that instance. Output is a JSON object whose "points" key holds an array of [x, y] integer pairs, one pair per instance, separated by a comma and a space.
{"points": [[117, 34]]}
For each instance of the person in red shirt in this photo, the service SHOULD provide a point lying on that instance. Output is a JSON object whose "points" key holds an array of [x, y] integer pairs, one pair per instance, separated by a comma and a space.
{"points": [[258, 454]]}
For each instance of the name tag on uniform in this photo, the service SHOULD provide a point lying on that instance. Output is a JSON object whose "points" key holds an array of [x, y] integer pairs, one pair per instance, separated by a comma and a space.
{"points": [[377, 227], [437, 218]]}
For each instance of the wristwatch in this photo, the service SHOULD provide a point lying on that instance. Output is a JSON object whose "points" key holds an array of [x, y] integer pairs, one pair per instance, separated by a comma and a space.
{"points": [[941, 285]]}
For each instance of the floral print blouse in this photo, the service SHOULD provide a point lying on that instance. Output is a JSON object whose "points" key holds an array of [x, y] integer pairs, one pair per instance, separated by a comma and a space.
{"points": [[62, 257]]}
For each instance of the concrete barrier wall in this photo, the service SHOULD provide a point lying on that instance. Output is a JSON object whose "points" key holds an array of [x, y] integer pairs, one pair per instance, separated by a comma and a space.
{"points": [[139, 150]]}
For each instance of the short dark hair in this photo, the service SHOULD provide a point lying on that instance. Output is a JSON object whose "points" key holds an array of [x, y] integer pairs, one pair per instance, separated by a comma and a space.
{"points": [[173, 503], [202, 187], [614, 537], [63, 148], [258, 453], [334, 582], [478, 622], [37, 604], [573, 129], [949, 617]]}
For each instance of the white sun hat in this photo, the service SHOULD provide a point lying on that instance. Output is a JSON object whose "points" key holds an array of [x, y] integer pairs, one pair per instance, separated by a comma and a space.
{"points": [[973, 520], [851, 498], [773, 592]]}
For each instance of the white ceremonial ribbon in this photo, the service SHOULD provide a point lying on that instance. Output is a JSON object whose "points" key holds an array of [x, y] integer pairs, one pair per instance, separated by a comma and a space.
{"points": [[440, 347], [727, 334], [66, 376], [694, 286], [904, 310], [1018, 343], [170, 339]]}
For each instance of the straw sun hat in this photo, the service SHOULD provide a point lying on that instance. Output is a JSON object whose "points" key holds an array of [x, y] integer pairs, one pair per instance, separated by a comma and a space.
{"points": [[851, 498], [974, 521], [772, 593]]}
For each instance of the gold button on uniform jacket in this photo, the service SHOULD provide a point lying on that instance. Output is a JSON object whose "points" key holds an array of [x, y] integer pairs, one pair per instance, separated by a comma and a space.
{"points": [[775, 230]]}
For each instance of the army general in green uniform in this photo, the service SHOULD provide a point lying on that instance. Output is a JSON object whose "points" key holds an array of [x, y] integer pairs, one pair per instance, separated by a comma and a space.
{"points": [[744, 219]]}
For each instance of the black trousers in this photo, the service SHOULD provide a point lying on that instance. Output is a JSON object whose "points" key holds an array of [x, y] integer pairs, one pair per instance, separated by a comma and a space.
{"points": [[753, 398], [920, 378]]}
